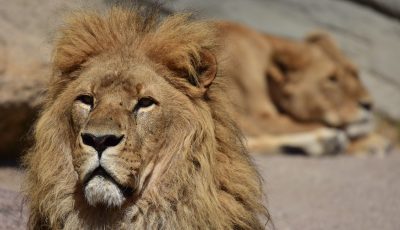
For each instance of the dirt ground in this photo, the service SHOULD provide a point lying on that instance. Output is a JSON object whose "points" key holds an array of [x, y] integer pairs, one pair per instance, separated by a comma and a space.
{"points": [[335, 193]]}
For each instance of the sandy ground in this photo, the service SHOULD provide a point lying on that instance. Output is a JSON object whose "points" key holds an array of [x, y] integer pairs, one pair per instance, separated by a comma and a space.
{"points": [[335, 193]]}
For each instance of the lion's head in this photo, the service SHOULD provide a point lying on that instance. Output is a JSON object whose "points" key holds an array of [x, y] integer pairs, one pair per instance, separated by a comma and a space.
{"points": [[135, 131], [314, 81]]}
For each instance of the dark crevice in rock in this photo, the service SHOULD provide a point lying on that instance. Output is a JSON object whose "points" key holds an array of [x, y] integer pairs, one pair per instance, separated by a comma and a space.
{"points": [[15, 131], [383, 7]]}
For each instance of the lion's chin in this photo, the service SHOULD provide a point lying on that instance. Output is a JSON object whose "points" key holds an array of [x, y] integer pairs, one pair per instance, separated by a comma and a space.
{"points": [[102, 191], [100, 188]]}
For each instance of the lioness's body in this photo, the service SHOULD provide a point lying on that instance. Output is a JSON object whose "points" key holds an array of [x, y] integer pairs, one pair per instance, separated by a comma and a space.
{"points": [[297, 94]]}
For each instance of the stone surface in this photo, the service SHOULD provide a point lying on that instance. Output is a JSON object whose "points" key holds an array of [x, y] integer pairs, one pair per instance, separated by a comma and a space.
{"points": [[27, 29], [388, 7]]}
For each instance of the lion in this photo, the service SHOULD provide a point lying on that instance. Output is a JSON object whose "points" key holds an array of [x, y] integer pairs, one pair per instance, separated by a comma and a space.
{"points": [[328, 90], [314, 82], [136, 131], [301, 95]]}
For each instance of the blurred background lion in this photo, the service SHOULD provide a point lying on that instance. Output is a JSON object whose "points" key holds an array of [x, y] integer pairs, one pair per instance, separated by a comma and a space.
{"points": [[297, 96]]}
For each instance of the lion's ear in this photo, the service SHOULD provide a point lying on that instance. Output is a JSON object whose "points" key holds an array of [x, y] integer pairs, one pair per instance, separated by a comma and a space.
{"points": [[206, 70], [196, 70]]}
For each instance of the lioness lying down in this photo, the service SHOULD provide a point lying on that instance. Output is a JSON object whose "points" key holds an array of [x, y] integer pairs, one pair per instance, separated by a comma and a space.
{"points": [[289, 95], [137, 132]]}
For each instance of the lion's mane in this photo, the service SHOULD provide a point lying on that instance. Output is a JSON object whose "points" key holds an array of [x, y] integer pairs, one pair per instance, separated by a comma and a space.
{"points": [[214, 184]]}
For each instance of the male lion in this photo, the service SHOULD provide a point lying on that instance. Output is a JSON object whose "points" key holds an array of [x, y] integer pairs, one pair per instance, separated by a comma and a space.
{"points": [[136, 132], [291, 94]]}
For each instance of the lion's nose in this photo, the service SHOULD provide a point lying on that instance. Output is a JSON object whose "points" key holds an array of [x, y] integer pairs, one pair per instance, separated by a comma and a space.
{"points": [[101, 143]]}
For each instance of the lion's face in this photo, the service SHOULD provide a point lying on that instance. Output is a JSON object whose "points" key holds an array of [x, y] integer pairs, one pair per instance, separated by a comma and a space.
{"points": [[324, 86], [120, 121]]}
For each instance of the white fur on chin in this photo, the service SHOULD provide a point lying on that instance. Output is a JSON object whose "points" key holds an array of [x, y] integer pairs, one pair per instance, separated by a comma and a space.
{"points": [[102, 191]]}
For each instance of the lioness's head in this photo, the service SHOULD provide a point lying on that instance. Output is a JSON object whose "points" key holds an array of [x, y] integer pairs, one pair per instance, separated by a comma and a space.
{"points": [[314, 81]]}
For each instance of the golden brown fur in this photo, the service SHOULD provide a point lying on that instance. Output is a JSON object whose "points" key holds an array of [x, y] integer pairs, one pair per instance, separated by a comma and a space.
{"points": [[175, 163], [314, 81], [285, 87]]}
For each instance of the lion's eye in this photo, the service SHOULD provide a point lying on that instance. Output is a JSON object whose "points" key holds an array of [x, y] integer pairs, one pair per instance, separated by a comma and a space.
{"points": [[144, 103], [85, 99]]}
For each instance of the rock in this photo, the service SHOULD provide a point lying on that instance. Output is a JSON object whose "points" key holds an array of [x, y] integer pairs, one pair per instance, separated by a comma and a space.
{"points": [[21, 90], [388, 7], [27, 28], [3, 54]]}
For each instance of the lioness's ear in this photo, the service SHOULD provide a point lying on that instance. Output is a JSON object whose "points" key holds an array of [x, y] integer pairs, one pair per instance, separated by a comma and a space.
{"points": [[288, 56], [320, 37], [325, 42]]}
